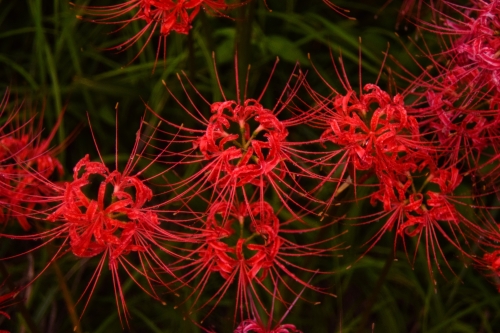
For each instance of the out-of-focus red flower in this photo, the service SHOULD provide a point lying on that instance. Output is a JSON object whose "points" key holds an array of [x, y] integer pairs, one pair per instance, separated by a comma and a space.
{"points": [[6, 300], [493, 260], [164, 16], [491, 265], [471, 57], [25, 160]]}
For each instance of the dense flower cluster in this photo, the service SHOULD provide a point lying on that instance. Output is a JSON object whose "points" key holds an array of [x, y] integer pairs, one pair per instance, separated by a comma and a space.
{"points": [[25, 160], [235, 195]]}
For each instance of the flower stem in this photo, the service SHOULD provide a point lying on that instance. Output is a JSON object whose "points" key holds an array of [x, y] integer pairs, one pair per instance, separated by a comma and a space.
{"points": [[376, 291], [75, 321], [243, 38]]}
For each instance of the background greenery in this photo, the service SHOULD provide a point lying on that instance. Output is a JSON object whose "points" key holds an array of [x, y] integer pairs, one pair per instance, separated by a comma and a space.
{"points": [[56, 62]]}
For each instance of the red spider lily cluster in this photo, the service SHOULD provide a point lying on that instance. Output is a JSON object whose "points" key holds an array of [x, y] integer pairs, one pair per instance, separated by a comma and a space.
{"points": [[474, 51], [237, 192], [25, 159], [243, 158]]}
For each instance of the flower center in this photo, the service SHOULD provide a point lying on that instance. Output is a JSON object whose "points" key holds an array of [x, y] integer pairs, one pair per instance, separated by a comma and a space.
{"points": [[242, 236], [243, 141]]}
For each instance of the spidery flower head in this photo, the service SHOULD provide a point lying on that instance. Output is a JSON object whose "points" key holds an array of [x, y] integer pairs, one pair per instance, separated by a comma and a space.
{"points": [[248, 246], [413, 181], [25, 160], [470, 51], [251, 153], [164, 16], [103, 213], [241, 144]]}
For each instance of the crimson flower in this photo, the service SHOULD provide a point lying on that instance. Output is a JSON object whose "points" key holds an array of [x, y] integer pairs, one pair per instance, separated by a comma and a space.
{"points": [[95, 226], [166, 16], [104, 213], [379, 145], [247, 244], [432, 216], [491, 262], [378, 139], [25, 157], [241, 145], [471, 61], [366, 135]]}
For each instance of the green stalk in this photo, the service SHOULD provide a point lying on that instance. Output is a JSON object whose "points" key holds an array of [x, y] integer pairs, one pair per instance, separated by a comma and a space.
{"points": [[47, 61], [244, 23], [370, 302], [70, 304]]}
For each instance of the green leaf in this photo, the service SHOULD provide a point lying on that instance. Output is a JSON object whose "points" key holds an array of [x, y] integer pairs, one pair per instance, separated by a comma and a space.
{"points": [[285, 49]]}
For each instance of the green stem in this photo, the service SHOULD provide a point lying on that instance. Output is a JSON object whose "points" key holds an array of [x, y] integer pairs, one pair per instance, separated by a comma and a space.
{"points": [[244, 25], [376, 291], [70, 304], [191, 57]]}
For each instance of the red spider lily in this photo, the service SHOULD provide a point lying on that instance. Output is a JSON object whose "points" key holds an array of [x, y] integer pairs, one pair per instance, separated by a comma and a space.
{"points": [[24, 156], [249, 252], [243, 144], [472, 56], [20, 185], [431, 216], [490, 261], [391, 132], [456, 94], [493, 259], [163, 15], [372, 134], [263, 224], [252, 163], [112, 222], [96, 227], [464, 136], [376, 136], [464, 74]]}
